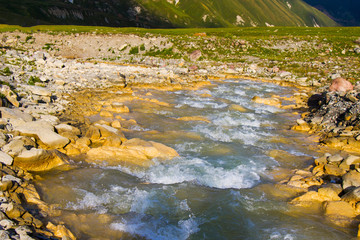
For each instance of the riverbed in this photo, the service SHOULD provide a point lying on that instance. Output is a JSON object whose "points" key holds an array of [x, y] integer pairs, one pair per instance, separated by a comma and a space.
{"points": [[221, 186]]}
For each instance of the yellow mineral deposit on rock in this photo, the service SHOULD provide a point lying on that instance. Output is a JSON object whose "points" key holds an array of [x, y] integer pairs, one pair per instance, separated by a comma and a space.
{"points": [[239, 108], [339, 212], [134, 152], [194, 118], [40, 159], [301, 126], [267, 101], [118, 107], [61, 231], [106, 114], [116, 124]]}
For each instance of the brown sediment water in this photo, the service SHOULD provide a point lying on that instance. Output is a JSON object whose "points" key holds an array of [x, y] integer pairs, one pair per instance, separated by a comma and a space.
{"points": [[221, 187]]}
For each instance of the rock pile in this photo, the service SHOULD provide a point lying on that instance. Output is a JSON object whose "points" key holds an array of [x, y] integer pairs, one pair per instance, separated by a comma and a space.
{"points": [[336, 114], [333, 181]]}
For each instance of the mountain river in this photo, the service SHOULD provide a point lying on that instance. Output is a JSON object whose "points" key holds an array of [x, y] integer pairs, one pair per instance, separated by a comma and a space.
{"points": [[221, 186]]}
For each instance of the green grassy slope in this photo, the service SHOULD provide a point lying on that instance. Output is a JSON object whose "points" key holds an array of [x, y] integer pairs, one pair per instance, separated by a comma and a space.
{"points": [[345, 12], [163, 13], [226, 13]]}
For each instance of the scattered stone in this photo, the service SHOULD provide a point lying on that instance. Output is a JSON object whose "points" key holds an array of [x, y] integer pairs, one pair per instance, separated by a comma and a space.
{"points": [[106, 114], [351, 179], [339, 208], [67, 128], [6, 159], [335, 159], [352, 160], [40, 91], [195, 55], [10, 95], [352, 197], [6, 224], [53, 120], [118, 107]]}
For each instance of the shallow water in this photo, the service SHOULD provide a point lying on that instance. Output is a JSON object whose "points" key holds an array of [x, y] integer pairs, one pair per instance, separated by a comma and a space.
{"points": [[219, 187]]}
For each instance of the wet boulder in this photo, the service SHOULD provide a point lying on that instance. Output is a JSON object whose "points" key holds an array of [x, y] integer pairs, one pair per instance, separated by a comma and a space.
{"points": [[134, 152], [40, 159]]}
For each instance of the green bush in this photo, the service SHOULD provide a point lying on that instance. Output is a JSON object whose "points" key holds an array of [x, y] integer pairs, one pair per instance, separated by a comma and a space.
{"points": [[6, 72], [28, 38], [134, 50], [33, 80]]}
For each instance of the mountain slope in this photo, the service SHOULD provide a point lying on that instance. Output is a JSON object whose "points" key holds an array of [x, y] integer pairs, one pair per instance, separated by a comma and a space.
{"points": [[345, 12], [163, 13]]}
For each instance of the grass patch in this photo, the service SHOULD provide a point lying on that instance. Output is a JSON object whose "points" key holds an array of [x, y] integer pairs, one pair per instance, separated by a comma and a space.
{"points": [[6, 72], [134, 50], [33, 79]]}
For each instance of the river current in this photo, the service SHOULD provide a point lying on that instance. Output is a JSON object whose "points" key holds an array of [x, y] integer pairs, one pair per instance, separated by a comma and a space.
{"points": [[221, 186]]}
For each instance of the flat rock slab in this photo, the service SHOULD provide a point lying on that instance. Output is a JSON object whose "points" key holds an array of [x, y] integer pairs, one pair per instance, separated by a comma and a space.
{"points": [[6, 158], [45, 132], [40, 91], [134, 152], [14, 113]]}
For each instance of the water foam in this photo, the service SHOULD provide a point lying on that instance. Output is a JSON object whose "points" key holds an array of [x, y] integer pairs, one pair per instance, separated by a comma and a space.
{"points": [[199, 171], [158, 229]]}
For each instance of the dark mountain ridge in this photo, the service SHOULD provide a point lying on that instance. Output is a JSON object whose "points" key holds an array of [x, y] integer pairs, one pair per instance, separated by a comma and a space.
{"points": [[162, 13]]}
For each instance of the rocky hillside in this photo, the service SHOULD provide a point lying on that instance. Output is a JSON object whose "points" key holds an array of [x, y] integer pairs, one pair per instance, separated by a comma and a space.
{"points": [[346, 12], [163, 13]]}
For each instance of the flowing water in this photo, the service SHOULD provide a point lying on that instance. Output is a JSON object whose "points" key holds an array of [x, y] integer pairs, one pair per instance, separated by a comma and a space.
{"points": [[221, 186]]}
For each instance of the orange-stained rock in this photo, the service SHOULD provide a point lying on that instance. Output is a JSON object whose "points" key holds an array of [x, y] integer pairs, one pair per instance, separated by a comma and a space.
{"points": [[60, 231], [339, 208], [40, 160], [267, 101], [151, 149], [194, 118], [118, 107], [239, 108], [134, 152], [340, 85], [106, 114]]}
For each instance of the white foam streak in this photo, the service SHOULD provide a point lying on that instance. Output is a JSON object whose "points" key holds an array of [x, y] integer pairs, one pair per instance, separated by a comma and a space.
{"points": [[203, 173], [157, 229]]}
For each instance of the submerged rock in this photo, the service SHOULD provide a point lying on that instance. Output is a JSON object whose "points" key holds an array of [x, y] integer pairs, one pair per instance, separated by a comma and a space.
{"points": [[267, 101]]}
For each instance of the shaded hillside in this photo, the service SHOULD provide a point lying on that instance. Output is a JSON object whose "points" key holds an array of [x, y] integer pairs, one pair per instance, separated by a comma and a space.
{"points": [[163, 13], [346, 12]]}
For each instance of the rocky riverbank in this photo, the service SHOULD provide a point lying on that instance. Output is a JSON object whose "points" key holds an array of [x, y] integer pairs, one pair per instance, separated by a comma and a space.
{"points": [[48, 96]]}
